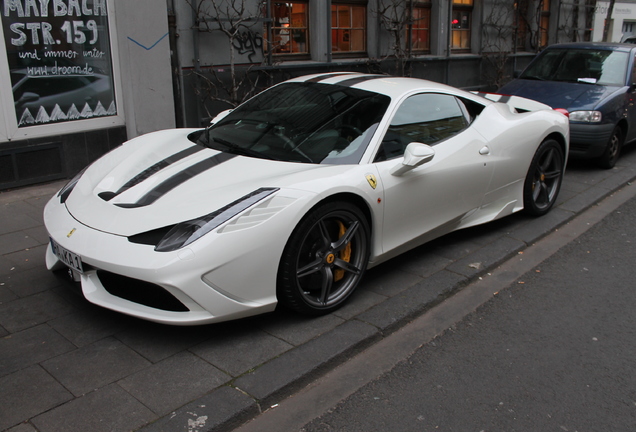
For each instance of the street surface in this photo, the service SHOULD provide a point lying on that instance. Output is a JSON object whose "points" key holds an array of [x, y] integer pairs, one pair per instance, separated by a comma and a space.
{"points": [[553, 352]]}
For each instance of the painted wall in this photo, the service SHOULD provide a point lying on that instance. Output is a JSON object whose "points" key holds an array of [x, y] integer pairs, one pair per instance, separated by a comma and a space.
{"points": [[144, 52], [623, 13]]}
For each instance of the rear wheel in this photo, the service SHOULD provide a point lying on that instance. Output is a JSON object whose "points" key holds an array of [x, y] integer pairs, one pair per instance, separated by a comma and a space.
{"points": [[324, 259], [613, 149], [544, 178]]}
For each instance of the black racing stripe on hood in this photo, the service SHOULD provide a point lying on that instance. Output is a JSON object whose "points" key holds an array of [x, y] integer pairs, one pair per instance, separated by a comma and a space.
{"points": [[357, 80], [327, 76], [178, 179], [148, 172]]}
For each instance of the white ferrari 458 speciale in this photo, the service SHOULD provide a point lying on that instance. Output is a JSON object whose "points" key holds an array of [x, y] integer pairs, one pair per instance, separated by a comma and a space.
{"points": [[291, 196]]}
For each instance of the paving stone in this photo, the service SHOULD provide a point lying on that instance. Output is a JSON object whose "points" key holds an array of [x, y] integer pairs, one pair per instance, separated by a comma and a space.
{"points": [[291, 370], [38, 233], [221, 410], [91, 324], [28, 282], [584, 201], [109, 409], [27, 393], [157, 341], [29, 258], [94, 366], [541, 226], [29, 347], [6, 295], [236, 352], [422, 262], [387, 281], [24, 427], [16, 241], [298, 329], [17, 216], [486, 257], [361, 300], [412, 301], [173, 382], [33, 310]]}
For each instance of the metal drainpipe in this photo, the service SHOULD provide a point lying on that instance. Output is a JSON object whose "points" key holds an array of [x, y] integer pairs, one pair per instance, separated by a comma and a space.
{"points": [[329, 32], [449, 39], [197, 62], [176, 69]]}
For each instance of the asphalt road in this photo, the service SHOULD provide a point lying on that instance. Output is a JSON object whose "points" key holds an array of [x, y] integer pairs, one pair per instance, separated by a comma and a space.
{"points": [[552, 351]]}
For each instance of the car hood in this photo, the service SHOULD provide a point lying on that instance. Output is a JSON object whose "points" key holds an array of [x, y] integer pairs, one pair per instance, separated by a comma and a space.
{"points": [[163, 178], [570, 96]]}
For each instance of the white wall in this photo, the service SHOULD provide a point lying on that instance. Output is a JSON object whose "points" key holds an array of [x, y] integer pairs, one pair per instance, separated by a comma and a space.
{"points": [[144, 54], [623, 11]]}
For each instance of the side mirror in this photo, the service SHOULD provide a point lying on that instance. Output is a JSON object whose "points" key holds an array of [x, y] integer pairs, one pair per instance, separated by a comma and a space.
{"points": [[416, 154], [220, 116]]}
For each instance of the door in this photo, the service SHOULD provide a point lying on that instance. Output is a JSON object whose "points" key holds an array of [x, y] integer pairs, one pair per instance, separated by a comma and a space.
{"points": [[434, 197]]}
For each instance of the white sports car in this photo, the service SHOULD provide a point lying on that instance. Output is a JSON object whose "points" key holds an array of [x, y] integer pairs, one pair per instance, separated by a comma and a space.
{"points": [[290, 197]]}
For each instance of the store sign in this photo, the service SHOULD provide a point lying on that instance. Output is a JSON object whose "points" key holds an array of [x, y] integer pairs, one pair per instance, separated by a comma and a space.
{"points": [[60, 60]]}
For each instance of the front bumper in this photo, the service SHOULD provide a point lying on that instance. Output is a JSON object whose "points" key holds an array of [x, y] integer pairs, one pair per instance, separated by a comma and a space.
{"points": [[588, 141], [218, 282]]}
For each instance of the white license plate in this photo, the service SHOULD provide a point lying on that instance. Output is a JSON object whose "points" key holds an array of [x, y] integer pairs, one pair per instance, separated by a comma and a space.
{"points": [[69, 258]]}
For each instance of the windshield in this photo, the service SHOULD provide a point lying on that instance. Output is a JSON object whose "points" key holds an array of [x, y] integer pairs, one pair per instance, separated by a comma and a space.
{"points": [[586, 66], [301, 122]]}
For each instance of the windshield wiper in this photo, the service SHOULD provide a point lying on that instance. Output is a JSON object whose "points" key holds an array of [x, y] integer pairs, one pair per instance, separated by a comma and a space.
{"points": [[236, 149]]}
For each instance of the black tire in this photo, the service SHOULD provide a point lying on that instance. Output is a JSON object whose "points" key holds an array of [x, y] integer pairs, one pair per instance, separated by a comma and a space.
{"points": [[544, 178], [324, 259], [612, 150]]}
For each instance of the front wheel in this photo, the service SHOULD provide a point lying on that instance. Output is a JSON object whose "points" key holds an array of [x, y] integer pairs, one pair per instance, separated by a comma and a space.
{"points": [[613, 149], [544, 178], [324, 259]]}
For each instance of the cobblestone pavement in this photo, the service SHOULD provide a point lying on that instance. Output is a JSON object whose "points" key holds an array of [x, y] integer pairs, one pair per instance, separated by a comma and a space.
{"points": [[67, 365]]}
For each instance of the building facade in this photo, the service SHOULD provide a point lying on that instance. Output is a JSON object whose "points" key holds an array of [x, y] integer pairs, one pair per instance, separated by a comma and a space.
{"points": [[79, 77]]}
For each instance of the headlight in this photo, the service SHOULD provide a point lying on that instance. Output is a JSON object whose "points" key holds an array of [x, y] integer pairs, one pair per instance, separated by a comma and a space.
{"points": [[185, 233], [586, 116], [68, 188]]}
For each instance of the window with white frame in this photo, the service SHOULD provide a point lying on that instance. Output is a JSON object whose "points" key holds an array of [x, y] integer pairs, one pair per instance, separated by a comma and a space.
{"points": [[57, 64]]}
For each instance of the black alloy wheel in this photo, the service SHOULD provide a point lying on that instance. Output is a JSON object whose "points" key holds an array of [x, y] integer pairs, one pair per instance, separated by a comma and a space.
{"points": [[544, 178], [324, 259]]}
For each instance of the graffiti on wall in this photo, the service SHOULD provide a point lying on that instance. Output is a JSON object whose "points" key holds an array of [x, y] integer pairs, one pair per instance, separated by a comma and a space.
{"points": [[248, 42]]}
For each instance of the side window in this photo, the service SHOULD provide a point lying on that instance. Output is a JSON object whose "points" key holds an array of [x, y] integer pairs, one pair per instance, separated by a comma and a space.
{"points": [[427, 118]]}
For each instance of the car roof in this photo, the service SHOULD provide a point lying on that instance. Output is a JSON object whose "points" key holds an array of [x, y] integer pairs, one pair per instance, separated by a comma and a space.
{"points": [[383, 84], [612, 46]]}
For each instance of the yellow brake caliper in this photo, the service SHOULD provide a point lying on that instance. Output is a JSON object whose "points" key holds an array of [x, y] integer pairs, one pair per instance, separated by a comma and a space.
{"points": [[345, 254]]}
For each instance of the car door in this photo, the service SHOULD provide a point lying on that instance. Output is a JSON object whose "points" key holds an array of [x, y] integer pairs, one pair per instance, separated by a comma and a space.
{"points": [[434, 197], [630, 102]]}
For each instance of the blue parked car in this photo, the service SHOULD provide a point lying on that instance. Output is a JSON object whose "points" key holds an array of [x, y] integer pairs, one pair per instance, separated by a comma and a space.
{"points": [[595, 82]]}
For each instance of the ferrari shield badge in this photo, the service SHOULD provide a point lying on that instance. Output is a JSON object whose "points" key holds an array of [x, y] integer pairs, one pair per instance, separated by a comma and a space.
{"points": [[372, 181]]}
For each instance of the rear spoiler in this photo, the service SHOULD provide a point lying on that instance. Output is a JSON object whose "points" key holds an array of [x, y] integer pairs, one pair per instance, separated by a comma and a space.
{"points": [[519, 103]]}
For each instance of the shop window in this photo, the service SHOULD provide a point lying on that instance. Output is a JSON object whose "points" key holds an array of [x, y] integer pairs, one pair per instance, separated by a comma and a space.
{"points": [[460, 24], [420, 28], [348, 28], [60, 61], [290, 34]]}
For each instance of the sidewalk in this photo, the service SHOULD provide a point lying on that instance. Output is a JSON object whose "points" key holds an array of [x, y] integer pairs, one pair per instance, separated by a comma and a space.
{"points": [[66, 365]]}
